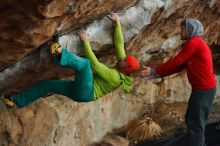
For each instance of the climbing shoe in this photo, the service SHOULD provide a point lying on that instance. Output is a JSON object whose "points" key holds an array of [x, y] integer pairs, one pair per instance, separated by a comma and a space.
{"points": [[7, 101], [53, 47]]}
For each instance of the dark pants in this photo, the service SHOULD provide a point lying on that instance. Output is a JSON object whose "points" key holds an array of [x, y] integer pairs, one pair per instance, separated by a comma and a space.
{"points": [[199, 106], [80, 89]]}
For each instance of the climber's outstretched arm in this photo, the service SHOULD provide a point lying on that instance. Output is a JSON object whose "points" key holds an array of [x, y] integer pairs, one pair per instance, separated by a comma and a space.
{"points": [[118, 37], [84, 37]]}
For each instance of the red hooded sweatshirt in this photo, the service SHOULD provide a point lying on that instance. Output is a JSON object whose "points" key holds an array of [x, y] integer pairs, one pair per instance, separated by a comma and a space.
{"points": [[196, 58]]}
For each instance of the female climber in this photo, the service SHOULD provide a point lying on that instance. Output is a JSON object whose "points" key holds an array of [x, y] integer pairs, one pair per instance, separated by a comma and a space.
{"points": [[86, 86]]}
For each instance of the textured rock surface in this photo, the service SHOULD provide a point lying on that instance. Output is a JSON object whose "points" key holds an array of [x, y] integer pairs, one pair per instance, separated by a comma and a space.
{"points": [[27, 24], [57, 120]]}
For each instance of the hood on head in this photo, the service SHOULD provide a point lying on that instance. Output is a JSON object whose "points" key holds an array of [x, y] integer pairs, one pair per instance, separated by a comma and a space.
{"points": [[194, 28]]}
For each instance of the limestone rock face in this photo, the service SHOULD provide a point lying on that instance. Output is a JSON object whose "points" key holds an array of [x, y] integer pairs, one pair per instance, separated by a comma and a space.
{"points": [[151, 31]]}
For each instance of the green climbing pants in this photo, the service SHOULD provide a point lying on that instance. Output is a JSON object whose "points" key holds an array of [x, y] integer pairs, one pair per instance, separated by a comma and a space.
{"points": [[80, 89]]}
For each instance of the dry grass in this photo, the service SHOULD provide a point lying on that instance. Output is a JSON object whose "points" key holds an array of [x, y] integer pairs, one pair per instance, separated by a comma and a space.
{"points": [[143, 128], [171, 117]]}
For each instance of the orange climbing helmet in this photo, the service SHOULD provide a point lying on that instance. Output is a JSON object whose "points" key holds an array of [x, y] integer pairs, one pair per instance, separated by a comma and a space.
{"points": [[132, 64]]}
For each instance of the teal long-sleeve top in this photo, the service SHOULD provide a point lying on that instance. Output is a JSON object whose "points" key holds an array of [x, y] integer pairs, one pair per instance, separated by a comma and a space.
{"points": [[108, 79]]}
